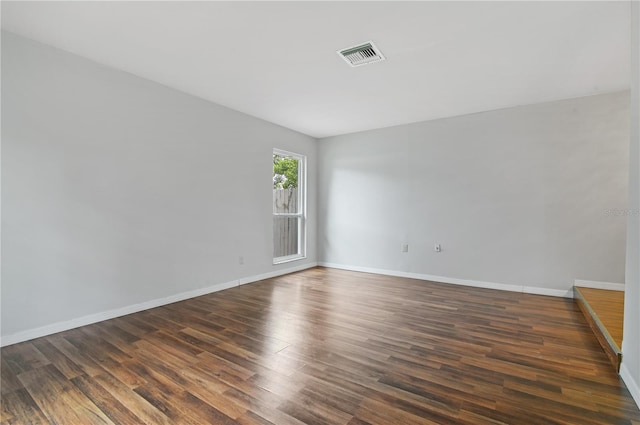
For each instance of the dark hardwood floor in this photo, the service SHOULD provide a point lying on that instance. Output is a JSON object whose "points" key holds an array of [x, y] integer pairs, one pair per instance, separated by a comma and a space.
{"points": [[324, 346]]}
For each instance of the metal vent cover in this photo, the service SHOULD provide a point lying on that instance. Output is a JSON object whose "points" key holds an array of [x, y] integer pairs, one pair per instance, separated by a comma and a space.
{"points": [[361, 54]]}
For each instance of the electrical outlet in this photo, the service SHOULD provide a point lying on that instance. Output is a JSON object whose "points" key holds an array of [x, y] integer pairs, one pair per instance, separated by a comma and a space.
{"points": [[241, 260], [437, 248], [405, 247]]}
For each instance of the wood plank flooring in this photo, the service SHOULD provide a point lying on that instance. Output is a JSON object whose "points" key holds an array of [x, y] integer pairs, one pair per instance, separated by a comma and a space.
{"points": [[326, 347], [609, 306], [604, 311]]}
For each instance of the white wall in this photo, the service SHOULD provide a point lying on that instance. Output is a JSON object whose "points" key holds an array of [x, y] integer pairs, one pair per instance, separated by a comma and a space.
{"points": [[118, 191], [515, 197], [630, 369]]}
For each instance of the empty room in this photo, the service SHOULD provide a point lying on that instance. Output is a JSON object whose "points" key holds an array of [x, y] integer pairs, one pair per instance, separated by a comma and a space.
{"points": [[322, 213]]}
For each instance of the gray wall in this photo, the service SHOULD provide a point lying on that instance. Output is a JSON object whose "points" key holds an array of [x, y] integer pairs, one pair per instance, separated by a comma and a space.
{"points": [[630, 369], [516, 196], [117, 190]]}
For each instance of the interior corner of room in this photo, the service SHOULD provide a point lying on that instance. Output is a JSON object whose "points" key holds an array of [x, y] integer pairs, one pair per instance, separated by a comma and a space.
{"points": [[124, 191]]}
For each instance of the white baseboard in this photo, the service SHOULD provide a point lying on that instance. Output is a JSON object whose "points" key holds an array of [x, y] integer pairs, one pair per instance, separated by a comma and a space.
{"points": [[250, 279], [455, 281], [630, 382], [535, 290], [594, 284], [134, 308]]}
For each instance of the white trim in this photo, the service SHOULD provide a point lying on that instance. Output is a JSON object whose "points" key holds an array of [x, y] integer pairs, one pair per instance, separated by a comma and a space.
{"points": [[631, 383], [263, 276], [301, 215], [594, 284], [109, 314], [288, 259], [455, 281], [536, 290], [134, 308]]}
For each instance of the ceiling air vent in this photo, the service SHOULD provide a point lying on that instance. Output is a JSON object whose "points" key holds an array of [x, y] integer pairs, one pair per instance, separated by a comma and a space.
{"points": [[361, 54]]}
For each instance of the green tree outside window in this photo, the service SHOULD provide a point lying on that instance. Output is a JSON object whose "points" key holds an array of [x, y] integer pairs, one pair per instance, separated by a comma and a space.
{"points": [[285, 172]]}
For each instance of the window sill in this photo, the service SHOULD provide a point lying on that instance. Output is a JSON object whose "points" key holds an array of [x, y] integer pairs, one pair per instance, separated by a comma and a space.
{"points": [[283, 260]]}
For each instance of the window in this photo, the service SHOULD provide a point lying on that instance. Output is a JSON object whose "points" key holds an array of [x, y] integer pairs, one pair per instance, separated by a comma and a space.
{"points": [[289, 195]]}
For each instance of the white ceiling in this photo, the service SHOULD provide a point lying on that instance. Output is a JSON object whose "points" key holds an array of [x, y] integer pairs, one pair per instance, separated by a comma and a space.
{"points": [[277, 60]]}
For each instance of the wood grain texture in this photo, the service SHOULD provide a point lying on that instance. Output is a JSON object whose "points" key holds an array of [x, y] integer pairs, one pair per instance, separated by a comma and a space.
{"points": [[326, 347], [609, 306], [604, 311]]}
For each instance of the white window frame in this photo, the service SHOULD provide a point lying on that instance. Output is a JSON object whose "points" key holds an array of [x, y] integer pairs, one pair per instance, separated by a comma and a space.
{"points": [[302, 214]]}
